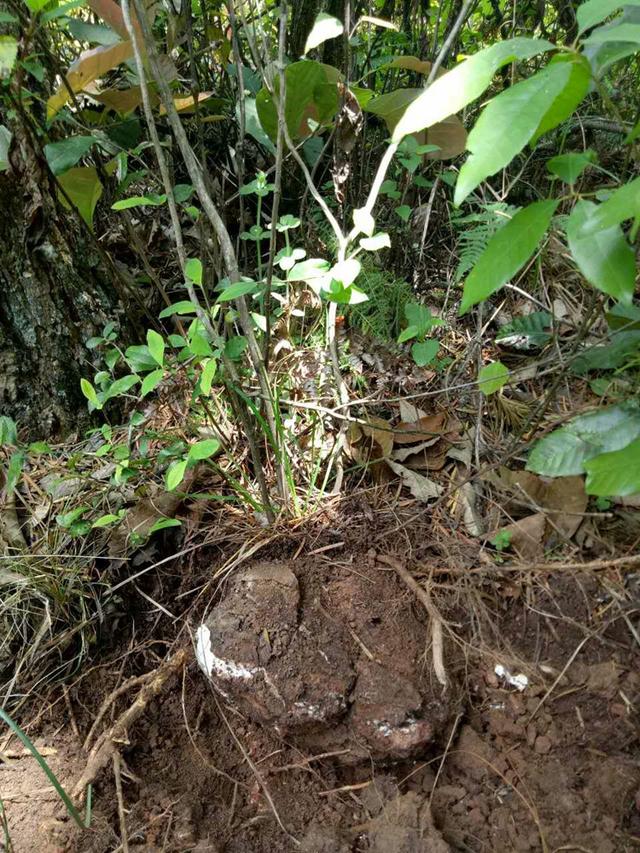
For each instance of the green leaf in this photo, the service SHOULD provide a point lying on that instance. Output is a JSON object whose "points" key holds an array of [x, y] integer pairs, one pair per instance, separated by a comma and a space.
{"points": [[507, 124], [615, 473], [61, 156], [183, 307], [622, 204], [568, 167], [66, 519], [139, 358], [8, 431], [235, 346], [423, 352], [139, 201], [309, 269], [163, 523], [529, 332], [311, 95], [324, 27], [569, 98], [404, 212], [155, 342], [106, 520], [238, 289], [8, 54], [624, 32], [151, 382], [381, 240], [37, 5], [208, 372], [121, 386], [565, 452], [175, 474], [8, 18], [463, 84], [193, 270], [507, 252], [84, 189], [93, 33], [492, 377], [89, 392], [595, 11], [603, 257], [203, 449], [14, 469]]}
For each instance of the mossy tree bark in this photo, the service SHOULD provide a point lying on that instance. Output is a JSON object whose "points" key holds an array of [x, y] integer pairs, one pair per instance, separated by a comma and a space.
{"points": [[55, 293]]}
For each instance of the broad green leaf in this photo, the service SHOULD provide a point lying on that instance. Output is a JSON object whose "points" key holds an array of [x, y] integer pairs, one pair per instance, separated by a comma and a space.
{"points": [[208, 372], [324, 27], [182, 307], [622, 204], [61, 156], [139, 201], [507, 124], [155, 342], [309, 269], [14, 469], [529, 332], [151, 382], [238, 289], [568, 99], [381, 240], [193, 270], [175, 474], [84, 189], [621, 33], [492, 377], [121, 386], [253, 126], [89, 392], [5, 142], [423, 352], [93, 33], [8, 54], [624, 347], [403, 211], [203, 449], [464, 83], [235, 347], [603, 257], [163, 523], [615, 473], [8, 18], [568, 167], [139, 358], [595, 11], [311, 95], [507, 252], [565, 451], [8, 431]]}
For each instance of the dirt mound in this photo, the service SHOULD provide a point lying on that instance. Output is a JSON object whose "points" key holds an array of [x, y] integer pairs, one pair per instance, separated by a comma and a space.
{"points": [[332, 659]]}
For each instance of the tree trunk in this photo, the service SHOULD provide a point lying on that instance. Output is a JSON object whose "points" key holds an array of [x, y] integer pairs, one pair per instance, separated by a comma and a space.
{"points": [[55, 293]]}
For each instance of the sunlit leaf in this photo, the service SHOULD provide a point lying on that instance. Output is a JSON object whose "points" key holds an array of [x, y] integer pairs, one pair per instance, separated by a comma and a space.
{"points": [[464, 83], [508, 123], [8, 54], [324, 27], [155, 342], [615, 473], [187, 103], [595, 11], [203, 449]]}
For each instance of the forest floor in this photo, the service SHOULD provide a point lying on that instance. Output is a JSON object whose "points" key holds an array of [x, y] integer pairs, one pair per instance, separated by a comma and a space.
{"points": [[403, 765]]}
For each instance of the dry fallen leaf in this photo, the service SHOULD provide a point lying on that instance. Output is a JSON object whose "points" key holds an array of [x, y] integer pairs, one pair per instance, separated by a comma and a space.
{"points": [[527, 536], [420, 487], [422, 430]]}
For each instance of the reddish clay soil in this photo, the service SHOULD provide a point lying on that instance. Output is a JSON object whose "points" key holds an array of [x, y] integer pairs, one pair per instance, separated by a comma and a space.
{"points": [[323, 729]]}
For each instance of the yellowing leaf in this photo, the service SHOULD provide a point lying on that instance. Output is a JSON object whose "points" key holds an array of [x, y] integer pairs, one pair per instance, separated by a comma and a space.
{"points": [[90, 65], [187, 104], [84, 189]]}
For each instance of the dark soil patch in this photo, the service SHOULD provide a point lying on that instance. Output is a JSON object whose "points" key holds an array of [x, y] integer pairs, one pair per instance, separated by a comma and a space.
{"points": [[341, 740]]}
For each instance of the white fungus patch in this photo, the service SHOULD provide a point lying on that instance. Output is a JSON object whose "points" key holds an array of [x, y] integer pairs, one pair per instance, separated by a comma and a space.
{"points": [[210, 663], [519, 681]]}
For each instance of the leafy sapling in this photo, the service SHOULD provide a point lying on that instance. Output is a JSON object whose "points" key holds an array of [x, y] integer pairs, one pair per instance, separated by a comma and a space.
{"points": [[420, 323]]}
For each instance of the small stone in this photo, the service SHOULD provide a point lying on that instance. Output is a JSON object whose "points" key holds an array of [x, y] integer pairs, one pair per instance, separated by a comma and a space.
{"points": [[543, 745]]}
